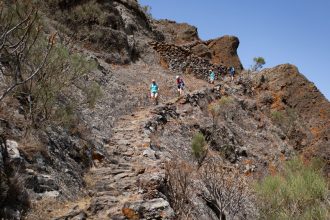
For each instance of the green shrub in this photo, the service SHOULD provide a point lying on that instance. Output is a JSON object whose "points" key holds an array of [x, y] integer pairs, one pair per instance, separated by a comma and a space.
{"points": [[76, 13], [199, 148], [62, 71], [65, 116], [93, 93], [87, 13], [225, 101], [277, 116], [285, 119], [298, 192]]}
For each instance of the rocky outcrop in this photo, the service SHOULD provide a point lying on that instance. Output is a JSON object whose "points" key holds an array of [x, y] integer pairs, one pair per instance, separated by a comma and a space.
{"points": [[176, 33], [305, 112], [220, 51], [224, 51], [14, 198], [198, 58], [202, 51]]}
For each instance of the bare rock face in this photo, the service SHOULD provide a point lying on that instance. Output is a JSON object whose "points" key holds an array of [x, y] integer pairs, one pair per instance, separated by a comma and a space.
{"points": [[224, 51], [202, 50], [177, 33]]}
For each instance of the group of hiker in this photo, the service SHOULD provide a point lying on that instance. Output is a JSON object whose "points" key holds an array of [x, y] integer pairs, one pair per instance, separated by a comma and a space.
{"points": [[154, 88], [212, 74], [180, 83]]}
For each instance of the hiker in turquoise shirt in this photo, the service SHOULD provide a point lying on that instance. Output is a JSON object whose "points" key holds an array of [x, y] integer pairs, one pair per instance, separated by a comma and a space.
{"points": [[154, 90], [212, 76]]}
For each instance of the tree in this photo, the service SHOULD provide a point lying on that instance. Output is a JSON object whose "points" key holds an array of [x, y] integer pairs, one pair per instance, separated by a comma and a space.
{"points": [[258, 63], [20, 31], [36, 69], [299, 191]]}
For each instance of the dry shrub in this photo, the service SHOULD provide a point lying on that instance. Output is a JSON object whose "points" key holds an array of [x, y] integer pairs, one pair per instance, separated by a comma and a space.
{"points": [[47, 69], [224, 109], [31, 145], [42, 209], [93, 93], [90, 181], [225, 190], [50, 208], [178, 178]]}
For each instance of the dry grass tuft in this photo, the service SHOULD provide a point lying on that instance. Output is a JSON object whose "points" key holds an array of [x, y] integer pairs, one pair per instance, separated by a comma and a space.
{"points": [[49, 208]]}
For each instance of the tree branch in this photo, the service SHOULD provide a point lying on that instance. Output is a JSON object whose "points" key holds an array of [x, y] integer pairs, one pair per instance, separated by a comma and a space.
{"points": [[17, 83]]}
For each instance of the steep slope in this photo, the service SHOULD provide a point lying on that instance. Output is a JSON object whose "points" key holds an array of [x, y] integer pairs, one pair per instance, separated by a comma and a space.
{"points": [[116, 168], [309, 111]]}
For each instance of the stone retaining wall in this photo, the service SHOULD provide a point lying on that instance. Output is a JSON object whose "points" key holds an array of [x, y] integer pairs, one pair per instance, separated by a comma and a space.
{"points": [[180, 59]]}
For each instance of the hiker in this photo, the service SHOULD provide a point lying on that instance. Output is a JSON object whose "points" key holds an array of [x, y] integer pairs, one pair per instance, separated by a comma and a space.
{"points": [[180, 84], [154, 91], [232, 72], [212, 76]]}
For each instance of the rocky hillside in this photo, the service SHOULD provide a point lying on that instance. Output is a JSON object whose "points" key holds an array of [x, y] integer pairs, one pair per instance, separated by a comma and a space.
{"points": [[121, 157]]}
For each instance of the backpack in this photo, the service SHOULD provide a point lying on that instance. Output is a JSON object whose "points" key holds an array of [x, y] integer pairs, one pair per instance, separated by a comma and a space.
{"points": [[181, 82]]}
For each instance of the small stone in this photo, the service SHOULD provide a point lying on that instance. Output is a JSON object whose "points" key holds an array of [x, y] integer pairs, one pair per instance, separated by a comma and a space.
{"points": [[120, 176], [30, 171], [247, 168], [51, 194], [140, 171], [12, 149], [149, 153]]}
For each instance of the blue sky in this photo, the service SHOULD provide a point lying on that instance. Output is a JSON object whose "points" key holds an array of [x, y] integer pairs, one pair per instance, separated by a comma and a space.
{"points": [[281, 31]]}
